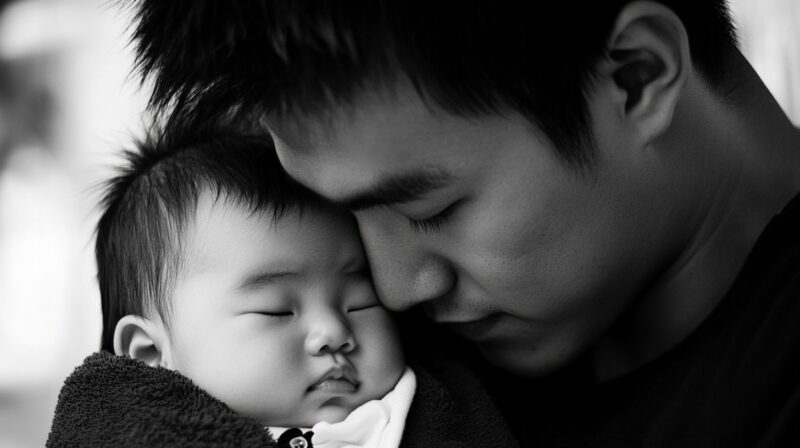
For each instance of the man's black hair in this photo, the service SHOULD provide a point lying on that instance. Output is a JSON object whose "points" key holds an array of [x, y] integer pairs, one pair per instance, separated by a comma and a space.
{"points": [[468, 57], [151, 201]]}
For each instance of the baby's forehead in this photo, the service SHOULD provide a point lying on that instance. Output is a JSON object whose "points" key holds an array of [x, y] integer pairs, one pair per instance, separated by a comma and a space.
{"points": [[229, 230], [217, 214]]}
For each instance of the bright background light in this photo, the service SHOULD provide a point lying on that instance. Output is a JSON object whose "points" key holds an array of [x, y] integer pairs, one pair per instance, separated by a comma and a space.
{"points": [[68, 104]]}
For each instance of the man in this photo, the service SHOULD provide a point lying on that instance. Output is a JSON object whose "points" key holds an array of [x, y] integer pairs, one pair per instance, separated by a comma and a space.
{"points": [[584, 190]]}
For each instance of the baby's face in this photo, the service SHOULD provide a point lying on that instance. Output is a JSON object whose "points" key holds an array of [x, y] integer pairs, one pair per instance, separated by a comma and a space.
{"points": [[280, 321]]}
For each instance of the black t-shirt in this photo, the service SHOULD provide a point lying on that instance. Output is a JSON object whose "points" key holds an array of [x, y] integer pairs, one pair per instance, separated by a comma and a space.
{"points": [[733, 382]]}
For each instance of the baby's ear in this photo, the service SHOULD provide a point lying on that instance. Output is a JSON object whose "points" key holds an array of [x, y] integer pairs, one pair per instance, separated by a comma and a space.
{"points": [[142, 339]]}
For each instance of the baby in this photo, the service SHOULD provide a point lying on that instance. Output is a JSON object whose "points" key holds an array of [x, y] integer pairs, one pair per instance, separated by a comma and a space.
{"points": [[214, 265]]}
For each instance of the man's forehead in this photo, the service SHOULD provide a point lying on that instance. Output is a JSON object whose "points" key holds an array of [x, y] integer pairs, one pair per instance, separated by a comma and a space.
{"points": [[379, 144], [319, 166], [349, 137], [365, 178], [301, 129]]}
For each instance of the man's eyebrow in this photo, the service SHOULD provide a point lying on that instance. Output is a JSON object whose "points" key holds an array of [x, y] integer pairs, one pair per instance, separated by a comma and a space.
{"points": [[398, 189], [263, 278]]}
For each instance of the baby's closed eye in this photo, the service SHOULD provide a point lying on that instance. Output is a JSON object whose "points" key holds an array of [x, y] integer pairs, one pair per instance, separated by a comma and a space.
{"points": [[362, 307], [273, 313]]}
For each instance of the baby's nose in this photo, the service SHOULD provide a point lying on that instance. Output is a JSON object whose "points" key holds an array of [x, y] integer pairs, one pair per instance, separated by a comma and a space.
{"points": [[330, 336]]}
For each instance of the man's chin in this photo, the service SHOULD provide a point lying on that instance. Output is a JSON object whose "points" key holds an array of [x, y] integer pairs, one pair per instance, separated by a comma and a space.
{"points": [[524, 360]]}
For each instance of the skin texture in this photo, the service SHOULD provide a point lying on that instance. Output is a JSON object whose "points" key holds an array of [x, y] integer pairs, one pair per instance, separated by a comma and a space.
{"points": [[533, 261], [477, 220], [311, 274]]}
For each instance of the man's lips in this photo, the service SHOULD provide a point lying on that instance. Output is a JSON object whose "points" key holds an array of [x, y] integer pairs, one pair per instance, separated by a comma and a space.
{"points": [[475, 330], [337, 380]]}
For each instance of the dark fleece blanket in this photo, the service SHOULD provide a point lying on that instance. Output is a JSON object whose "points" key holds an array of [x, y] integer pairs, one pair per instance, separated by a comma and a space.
{"points": [[112, 401]]}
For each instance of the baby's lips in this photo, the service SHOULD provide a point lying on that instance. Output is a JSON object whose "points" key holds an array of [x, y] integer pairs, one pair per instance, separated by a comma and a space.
{"points": [[335, 386], [338, 379]]}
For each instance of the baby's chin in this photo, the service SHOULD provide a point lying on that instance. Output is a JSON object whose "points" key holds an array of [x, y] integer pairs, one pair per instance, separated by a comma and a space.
{"points": [[328, 412], [332, 413], [330, 409]]}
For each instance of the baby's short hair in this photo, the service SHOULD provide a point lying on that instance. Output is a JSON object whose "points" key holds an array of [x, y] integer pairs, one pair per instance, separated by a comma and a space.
{"points": [[150, 203]]}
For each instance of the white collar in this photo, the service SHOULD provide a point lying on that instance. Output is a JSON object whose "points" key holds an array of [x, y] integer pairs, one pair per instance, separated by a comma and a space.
{"points": [[374, 424]]}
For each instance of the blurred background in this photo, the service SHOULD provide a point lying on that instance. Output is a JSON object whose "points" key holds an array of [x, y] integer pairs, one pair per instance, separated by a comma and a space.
{"points": [[68, 103]]}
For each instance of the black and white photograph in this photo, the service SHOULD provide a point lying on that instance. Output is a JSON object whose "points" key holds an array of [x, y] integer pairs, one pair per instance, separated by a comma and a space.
{"points": [[399, 223]]}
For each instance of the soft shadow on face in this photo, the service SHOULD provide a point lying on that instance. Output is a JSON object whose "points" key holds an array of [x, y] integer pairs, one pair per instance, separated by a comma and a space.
{"points": [[523, 255], [280, 320]]}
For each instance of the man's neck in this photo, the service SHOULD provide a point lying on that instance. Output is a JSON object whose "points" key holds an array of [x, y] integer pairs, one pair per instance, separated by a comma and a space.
{"points": [[740, 166]]}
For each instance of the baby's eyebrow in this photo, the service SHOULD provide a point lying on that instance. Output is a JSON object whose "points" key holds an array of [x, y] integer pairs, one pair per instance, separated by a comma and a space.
{"points": [[264, 278]]}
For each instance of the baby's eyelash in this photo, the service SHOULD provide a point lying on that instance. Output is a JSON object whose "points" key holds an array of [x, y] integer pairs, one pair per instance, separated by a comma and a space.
{"points": [[361, 308], [278, 314]]}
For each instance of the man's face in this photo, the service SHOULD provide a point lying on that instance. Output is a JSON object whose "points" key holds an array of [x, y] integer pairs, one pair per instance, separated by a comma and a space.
{"points": [[280, 320], [480, 223]]}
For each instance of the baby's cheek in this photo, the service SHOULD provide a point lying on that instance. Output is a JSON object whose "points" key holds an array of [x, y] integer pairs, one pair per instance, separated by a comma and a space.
{"points": [[383, 353]]}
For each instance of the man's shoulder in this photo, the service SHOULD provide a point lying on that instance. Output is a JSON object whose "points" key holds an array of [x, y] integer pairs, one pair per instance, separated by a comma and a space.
{"points": [[771, 275]]}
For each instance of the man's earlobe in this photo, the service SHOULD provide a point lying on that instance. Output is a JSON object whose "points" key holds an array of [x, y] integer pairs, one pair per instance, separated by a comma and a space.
{"points": [[649, 61], [142, 339]]}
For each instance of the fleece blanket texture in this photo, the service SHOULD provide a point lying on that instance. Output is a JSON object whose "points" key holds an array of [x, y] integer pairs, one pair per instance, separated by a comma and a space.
{"points": [[113, 401]]}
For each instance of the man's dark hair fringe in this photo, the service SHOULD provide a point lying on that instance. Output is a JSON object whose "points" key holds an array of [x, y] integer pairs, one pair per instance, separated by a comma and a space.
{"points": [[475, 57]]}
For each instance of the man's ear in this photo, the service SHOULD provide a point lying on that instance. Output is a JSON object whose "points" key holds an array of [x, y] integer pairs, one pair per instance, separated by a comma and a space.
{"points": [[648, 64], [142, 339]]}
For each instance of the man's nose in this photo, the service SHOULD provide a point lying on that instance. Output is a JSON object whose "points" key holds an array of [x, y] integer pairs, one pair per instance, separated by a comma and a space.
{"points": [[329, 334], [405, 270]]}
